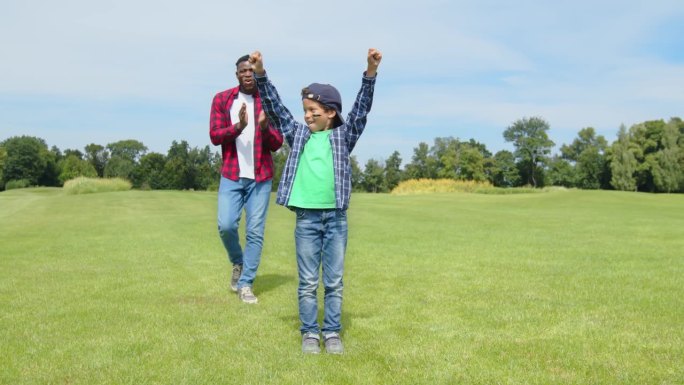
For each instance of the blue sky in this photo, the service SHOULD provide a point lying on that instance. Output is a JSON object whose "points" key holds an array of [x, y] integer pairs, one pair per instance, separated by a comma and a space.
{"points": [[76, 72]]}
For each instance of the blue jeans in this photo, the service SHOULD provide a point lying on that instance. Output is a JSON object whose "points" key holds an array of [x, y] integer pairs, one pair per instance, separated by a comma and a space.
{"points": [[254, 197], [321, 241]]}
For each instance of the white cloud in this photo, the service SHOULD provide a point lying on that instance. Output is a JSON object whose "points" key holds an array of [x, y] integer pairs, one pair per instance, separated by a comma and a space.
{"points": [[476, 67]]}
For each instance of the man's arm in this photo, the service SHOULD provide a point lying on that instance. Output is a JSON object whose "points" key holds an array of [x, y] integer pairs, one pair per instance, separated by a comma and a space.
{"points": [[272, 138], [219, 128]]}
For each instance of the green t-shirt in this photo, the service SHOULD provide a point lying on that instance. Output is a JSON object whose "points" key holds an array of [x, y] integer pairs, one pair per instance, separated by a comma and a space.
{"points": [[314, 182]]}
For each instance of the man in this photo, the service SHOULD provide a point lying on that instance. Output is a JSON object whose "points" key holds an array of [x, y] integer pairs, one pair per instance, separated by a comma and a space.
{"points": [[247, 139]]}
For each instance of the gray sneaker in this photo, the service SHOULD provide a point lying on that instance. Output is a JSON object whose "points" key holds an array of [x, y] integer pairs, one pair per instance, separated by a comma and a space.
{"points": [[235, 277], [245, 295], [333, 343], [311, 343]]}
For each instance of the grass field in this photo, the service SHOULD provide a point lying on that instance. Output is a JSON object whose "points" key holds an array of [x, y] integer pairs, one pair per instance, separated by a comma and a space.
{"points": [[564, 287]]}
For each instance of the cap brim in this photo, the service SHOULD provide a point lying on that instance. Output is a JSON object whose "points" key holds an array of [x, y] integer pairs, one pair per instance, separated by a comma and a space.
{"points": [[338, 117]]}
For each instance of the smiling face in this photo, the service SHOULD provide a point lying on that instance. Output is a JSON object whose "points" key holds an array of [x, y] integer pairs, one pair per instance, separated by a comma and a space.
{"points": [[244, 76], [317, 116]]}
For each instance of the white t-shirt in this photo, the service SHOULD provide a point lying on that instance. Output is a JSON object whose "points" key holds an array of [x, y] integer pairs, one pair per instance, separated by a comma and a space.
{"points": [[245, 141]]}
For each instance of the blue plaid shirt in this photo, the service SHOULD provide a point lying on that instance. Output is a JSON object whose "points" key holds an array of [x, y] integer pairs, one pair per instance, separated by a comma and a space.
{"points": [[342, 138]]}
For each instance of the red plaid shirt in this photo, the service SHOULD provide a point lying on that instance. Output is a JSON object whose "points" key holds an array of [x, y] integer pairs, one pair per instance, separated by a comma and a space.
{"points": [[223, 132]]}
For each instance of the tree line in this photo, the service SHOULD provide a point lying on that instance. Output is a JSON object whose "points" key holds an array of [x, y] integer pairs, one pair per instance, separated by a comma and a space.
{"points": [[647, 157]]}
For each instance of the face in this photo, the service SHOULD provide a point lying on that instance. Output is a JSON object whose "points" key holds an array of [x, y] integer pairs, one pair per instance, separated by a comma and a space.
{"points": [[244, 76], [316, 117]]}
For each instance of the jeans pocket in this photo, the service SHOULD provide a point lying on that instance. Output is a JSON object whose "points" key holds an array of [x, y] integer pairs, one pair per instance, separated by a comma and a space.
{"points": [[301, 213]]}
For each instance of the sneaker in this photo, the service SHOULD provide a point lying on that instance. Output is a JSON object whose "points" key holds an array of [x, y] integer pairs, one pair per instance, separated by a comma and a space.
{"points": [[245, 294], [311, 343], [237, 271], [333, 343]]}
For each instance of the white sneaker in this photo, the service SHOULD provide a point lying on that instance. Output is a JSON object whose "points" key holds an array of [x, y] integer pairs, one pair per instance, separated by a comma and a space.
{"points": [[245, 294]]}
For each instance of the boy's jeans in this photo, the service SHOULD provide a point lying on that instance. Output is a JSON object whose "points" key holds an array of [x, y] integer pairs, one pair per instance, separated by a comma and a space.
{"points": [[320, 239], [233, 196]]}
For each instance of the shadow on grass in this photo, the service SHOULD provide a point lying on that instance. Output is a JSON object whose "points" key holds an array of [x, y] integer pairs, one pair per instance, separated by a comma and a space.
{"points": [[347, 319], [268, 282]]}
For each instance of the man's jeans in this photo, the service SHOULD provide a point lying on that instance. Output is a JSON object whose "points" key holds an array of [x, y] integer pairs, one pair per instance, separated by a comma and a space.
{"points": [[320, 239], [254, 198]]}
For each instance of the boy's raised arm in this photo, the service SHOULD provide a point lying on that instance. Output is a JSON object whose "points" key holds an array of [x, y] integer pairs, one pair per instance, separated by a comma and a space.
{"points": [[257, 62], [374, 58]]}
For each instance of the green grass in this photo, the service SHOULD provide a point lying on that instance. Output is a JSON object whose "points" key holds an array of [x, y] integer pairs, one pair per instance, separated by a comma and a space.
{"points": [[565, 287]]}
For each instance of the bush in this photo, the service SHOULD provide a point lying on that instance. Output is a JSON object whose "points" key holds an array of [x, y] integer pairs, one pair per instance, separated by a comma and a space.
{"points": [[426, 186], [423, 186], [82, 185], [14, 184]]}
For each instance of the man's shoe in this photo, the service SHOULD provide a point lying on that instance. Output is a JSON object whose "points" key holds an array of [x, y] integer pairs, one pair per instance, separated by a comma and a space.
{"points": [[311, 343], [333, 343], [245, 294], [235, 277]]}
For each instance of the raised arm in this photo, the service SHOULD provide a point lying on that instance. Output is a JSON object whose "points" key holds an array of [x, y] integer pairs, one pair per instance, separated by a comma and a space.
{"points": [[374, 59], [364, 99], [279, 116]]}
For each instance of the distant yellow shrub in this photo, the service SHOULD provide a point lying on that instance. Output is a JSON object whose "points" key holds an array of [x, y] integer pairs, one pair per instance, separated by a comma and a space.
{"points": [[424, 186], [83, 185]]}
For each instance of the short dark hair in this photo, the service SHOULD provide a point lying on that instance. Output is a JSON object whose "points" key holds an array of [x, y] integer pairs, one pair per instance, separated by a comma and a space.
{"points": [[241, 59]]}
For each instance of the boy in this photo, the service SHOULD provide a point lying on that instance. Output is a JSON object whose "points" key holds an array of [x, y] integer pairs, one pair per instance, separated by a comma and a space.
{"points": [[316, 184]]}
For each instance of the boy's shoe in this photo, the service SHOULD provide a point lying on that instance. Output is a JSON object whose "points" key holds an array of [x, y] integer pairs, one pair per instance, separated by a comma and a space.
{"points": [[245, 294], [235, 277], [311, 343], [333, 343]]}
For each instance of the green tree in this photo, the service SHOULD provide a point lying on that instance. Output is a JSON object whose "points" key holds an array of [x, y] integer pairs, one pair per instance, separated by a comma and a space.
{"points": [[393, 173], [504, 171], [422, 165], [178, 173], [148, 174], [125, 155], [668, 176], [71, 152], [623, 163], [373, 176], [72, 166], [471, 164], [279, 159], [560, 173], [3, 158], [587, 152], [646, 141], [532, 146], [203, 172], [129, 149], [356, 174], [26, 157], [446, 155], [50, 176], [119, 167], [98, 156]]}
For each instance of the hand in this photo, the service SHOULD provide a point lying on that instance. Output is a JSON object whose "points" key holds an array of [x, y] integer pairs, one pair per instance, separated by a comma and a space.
{"points": [[257, 62], [263, 121], [242, 114], [374, 58]]}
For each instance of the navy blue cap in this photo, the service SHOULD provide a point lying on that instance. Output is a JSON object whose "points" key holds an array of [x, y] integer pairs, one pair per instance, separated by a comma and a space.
{"points": [[326, 95]]}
